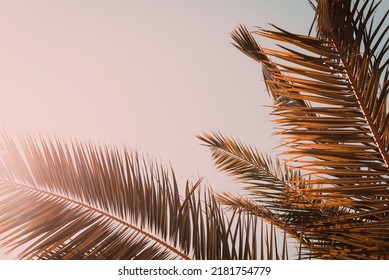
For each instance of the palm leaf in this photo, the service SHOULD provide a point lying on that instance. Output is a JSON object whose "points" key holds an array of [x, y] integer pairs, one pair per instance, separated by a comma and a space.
{"points": [[330, 94], [75, 201], [273, 190]]}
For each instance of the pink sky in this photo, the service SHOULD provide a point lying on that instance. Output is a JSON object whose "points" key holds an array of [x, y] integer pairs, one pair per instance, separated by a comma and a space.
{"points": [[147, 74]]}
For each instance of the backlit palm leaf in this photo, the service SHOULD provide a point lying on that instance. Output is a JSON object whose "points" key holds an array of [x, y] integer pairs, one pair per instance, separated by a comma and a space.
{"points": [[275, 191], [74, 201], [330, 99]]}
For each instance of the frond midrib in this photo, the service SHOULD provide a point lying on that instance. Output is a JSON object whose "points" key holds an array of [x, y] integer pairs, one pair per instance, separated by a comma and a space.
{"points": [[102, 213], [268, 172], [364, 109]]}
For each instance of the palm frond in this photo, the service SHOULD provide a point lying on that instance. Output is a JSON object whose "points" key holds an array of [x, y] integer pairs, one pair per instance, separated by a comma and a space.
{"points": [[328, 77], [75, 201], [274, 191], [344, 129], [247, 165], [246, 43], [330, 94], [362, 47]]}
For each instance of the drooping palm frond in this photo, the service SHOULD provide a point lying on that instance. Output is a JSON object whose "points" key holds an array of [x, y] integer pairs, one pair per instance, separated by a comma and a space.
{"points": [[63, 200], [271, 227], [259, 172], [246, 43], [330, 99], [343, 78], [274, 191]]}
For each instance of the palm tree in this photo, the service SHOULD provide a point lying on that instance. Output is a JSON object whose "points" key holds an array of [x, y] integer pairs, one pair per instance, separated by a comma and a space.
{"points": [[330, 95], [68, 200]]}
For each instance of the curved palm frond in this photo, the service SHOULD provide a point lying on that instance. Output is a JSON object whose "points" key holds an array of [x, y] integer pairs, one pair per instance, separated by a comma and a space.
{"points": [[347, 128], [75, 201], [245, 42], [275, 191], [330, 98], [262, 175]]}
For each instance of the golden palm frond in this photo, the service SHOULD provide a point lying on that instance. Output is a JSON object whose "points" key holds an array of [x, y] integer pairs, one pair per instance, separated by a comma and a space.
{"points": [[330, 99], [274, 191], [264, 177], [63, 200]]}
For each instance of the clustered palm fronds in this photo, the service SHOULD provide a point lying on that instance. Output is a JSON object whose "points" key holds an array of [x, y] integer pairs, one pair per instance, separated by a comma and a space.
{"points": [[330, 94], [68, 200]]}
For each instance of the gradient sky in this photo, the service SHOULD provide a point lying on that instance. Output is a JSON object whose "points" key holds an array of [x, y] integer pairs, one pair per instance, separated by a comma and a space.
{"points": [[146, 74]]}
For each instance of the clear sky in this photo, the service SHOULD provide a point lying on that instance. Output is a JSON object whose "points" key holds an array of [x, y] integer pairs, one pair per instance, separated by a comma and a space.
{"points": [[147, 74]]}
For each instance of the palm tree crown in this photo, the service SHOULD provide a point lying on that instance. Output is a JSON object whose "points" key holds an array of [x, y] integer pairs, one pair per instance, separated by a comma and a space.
{"points": [[331, 109]]}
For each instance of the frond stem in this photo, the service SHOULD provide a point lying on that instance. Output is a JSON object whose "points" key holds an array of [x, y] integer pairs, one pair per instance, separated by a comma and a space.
{"points": [[362, 105], [90, 208], [268, 172]]}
